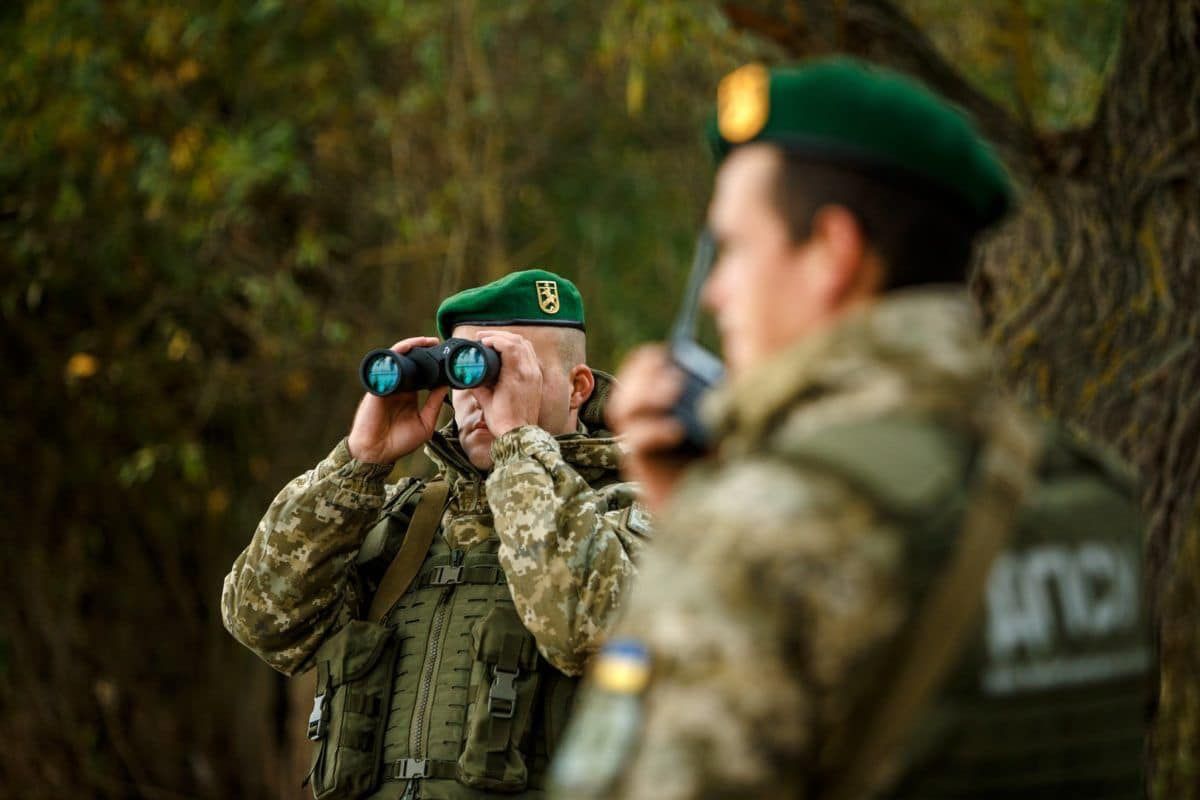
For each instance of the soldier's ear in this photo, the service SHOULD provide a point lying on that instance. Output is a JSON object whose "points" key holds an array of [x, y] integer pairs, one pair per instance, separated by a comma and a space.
{"points": [[583, 382], [847, 265]]}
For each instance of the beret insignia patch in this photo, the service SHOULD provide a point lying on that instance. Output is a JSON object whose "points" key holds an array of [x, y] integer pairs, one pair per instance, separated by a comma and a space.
{"points": [[743, 103], [547, 292]]}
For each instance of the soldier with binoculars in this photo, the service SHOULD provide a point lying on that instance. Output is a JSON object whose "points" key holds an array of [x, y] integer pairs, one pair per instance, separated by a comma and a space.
{"points": [[447, 619]]}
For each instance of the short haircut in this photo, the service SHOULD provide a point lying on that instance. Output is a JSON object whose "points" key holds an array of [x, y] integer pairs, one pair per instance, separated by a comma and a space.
{"points": [[572, 347], [917, 231]]}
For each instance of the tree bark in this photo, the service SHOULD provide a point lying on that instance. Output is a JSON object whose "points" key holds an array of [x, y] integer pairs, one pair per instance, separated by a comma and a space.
{"points": [[1092, 288]]}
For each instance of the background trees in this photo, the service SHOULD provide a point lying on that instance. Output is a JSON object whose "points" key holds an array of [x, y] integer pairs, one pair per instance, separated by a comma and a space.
{"points": [[1091, 289], [208, 211]]}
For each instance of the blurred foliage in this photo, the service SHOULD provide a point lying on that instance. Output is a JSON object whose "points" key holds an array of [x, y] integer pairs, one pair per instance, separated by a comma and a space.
{"points": [[1046, 61], [210, 210]]}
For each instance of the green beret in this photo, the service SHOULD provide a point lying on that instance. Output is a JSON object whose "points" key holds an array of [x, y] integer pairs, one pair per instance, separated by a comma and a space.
{"points": [[528, 297], [844, 111]]}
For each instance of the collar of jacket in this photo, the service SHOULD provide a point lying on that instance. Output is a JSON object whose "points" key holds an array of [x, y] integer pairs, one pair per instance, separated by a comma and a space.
{"points": [[591, 450], [915, 350]]}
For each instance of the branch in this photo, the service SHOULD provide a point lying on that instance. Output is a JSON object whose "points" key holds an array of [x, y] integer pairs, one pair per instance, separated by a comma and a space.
{"points": [[877, 31]]}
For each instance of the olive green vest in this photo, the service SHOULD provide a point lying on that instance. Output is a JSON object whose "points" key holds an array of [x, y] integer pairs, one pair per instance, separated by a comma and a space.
{"points": [[1049, 696], [447, 697]]}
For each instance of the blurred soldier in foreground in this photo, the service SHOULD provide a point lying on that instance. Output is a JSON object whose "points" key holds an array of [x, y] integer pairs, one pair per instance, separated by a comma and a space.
{"points": [[803, 625], [445, 662]]}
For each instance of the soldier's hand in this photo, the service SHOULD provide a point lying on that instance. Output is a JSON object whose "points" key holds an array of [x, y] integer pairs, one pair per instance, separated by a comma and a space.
{"points": [[647, 388], [516, 397], [387, 428]]}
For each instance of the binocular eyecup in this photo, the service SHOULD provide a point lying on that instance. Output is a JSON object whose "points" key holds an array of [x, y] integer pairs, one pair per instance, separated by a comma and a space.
{"points": [[458, 363]]}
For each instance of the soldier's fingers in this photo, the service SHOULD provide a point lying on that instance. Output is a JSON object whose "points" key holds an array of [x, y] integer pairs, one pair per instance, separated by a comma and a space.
{"points": [[497, 334], [506, 342], [654, 398], [643, 367], [516, 352], [433, 406], [648, 359], [647, 394], [650, 436], [404, 345]]}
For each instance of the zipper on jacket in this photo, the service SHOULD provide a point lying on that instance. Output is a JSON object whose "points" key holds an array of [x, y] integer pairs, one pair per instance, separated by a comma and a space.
{"points": [[433, 657]]}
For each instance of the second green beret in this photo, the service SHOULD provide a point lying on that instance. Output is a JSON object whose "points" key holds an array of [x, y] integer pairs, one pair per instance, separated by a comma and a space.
{"points": [[528, 297], [841, 110]]}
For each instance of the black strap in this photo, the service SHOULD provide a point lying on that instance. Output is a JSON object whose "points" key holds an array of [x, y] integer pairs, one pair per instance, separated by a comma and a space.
{"points": [[448, 575], [502, 704], [408, 769]]}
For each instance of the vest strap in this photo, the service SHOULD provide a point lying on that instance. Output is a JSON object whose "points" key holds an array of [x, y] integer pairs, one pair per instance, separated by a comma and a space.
{"points": [[318, 718], [368, 704], [502, 697], [363, 741], [451, 575], [407, 769], [398, 510], [940, 627], [404, 567]]}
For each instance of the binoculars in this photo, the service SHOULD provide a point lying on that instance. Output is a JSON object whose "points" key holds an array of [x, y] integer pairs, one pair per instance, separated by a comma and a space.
{"points": [[459, 363]]}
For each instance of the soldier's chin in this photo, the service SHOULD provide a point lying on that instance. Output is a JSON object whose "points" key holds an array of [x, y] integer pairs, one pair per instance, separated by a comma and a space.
{"points": [[733, 354], [478, 446], [742, 353]]}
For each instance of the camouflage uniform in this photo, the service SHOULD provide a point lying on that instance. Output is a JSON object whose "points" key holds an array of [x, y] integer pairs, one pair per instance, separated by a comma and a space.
{"points": [[564, 528], [567, 548], [776, 589]]}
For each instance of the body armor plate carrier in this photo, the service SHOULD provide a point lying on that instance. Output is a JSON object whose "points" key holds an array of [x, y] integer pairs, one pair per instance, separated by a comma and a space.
{"points": [[445, 697]]}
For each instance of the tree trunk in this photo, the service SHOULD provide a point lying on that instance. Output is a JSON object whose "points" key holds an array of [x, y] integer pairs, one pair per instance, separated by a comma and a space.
{"points": [[1092, 289]]}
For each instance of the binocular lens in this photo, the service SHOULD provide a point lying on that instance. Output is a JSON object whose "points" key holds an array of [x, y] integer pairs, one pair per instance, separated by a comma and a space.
{"points": [[460, 363], [467, 367], [382, 374]]}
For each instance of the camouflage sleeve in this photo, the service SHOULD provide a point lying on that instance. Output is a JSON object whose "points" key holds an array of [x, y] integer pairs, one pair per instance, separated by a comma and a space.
{"points": [[762, 603], [568, 550], [288, 589]]}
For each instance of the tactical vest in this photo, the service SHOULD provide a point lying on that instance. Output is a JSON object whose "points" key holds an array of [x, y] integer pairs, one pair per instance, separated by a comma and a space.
{"points": [[447, 697], [1049, 698]]}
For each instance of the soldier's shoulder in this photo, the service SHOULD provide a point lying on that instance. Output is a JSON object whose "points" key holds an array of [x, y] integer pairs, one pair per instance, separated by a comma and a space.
{"points": [[908, 463], [384, 537], [402, 490], [761, 496], [765, 522]]}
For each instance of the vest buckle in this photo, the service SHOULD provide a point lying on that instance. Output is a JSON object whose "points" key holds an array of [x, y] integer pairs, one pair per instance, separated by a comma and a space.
{"points": [[318, 720], [502, 697], [443, 576], [408, 768]]}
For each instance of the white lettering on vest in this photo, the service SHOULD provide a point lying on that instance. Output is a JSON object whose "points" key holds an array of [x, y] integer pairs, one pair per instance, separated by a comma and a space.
{"points": [[1050, 610]]}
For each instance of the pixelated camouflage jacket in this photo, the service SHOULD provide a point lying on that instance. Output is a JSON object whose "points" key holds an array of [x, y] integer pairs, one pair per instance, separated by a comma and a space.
{"points": [[770, 580], [569, 532]]}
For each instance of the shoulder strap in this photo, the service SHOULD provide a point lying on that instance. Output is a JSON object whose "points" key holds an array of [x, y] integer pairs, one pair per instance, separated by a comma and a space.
{"points": [[940, 628], [398, 510], [910, 465], [407, 563]]}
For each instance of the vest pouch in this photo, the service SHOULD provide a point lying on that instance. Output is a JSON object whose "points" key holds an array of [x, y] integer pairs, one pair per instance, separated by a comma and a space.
{"points": [[354, 679], [558, 694], [504, 685]]}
